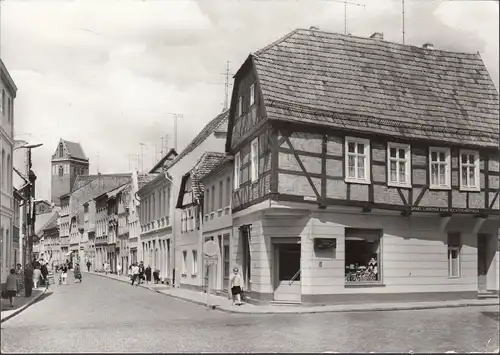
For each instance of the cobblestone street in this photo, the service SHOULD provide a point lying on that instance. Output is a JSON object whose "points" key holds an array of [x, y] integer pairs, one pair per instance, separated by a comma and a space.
{"points": [[105, 315]]}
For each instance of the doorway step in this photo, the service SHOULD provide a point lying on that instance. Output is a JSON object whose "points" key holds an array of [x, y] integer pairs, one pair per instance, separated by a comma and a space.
{"points": [[286, 303], [487, 294], [288, 293]]}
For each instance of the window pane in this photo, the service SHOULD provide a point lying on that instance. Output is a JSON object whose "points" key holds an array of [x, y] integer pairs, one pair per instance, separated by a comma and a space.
{"points": [[393, 152], [402, 172], [442, 176], [393, 172], [471, 158], [361, 148], [361, 167], [472, 177], [434, 156], [351, 167], [351, 147], [434, 174], [442, 156], [402, 154], [464, 175], [464, 158]]}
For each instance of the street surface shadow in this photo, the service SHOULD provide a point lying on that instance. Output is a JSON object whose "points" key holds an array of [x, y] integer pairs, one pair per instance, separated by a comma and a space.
{"points": [[492, 315]]}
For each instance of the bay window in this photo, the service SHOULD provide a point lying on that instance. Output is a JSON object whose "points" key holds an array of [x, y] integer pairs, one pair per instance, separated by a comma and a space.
{"points": [[398, 164], [439, 166], [469, 170], [357, 160]]}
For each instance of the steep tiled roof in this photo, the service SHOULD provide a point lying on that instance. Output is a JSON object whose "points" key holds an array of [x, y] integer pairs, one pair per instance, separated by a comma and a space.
{"points": [[218, 124], [165, 161], [144, 179], [52, 223], [205, 164], [75, 150], [371, 85]]}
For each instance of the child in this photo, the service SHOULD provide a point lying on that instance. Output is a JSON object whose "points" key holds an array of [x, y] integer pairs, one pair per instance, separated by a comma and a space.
{"points": [[236, 287], [12, 286]]}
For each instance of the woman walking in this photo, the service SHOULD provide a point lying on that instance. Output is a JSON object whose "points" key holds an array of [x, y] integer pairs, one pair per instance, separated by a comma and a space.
{"points": [[236, 287], [77, 273], [148, 274], [64, 274], [37, 274], [12, 286]]}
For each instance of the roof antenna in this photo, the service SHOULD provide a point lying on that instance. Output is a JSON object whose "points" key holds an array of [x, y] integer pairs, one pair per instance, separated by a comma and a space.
{"points": [[403, 8], [345, 11]]}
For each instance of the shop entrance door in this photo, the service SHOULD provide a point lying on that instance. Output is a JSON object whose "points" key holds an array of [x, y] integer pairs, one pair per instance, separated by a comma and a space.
{"points": [[482, 262], [287, 272]]}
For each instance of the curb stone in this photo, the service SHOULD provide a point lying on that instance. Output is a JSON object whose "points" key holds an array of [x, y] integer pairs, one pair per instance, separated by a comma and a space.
{"points": [[305, 311], [19, 310]]}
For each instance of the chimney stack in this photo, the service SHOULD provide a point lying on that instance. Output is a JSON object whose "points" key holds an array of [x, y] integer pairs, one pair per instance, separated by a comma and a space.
{"points": [[377, 35], [428, 46]]}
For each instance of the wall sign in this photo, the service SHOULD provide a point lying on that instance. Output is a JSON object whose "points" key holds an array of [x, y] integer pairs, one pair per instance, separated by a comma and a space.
{"points": [[444, 210]]}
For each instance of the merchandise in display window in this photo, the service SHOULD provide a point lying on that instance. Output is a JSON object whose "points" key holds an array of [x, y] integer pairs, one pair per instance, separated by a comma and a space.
{"points": [[362, 256]]}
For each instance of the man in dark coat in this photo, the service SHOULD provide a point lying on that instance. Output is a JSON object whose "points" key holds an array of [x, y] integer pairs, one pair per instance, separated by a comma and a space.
{"points": [[28, 280]]}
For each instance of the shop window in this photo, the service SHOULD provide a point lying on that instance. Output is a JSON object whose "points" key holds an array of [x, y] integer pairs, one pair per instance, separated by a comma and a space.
{"points": [[362, 256], [454, 247]]}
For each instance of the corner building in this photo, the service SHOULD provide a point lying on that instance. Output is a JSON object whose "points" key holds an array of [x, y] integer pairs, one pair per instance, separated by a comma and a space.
{"points": [[364, 170]]}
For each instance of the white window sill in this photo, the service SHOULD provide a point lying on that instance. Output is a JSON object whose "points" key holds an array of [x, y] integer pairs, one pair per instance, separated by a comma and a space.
{"points": [[470, 189], [403, 186], [453, 277], [440, 188], [362, 182]]}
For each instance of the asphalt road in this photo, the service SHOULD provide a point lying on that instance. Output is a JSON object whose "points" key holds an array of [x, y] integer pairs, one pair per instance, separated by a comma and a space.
{"points": [[103, 315]]}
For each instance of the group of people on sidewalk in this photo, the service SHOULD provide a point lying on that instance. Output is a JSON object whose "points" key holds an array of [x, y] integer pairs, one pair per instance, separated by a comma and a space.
{"points": [[137, 272]]}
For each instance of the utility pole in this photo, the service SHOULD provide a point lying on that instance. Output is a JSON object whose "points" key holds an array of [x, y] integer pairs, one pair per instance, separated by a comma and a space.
{"points": [[403, 8]]}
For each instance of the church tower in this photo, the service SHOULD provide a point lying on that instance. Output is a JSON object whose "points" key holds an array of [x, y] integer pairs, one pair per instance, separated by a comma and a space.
{"points": [[68, 161]]}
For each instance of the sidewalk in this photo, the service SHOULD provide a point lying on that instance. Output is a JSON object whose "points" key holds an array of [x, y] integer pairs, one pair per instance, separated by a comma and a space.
{"points": [[224, 304], [20, 303]]}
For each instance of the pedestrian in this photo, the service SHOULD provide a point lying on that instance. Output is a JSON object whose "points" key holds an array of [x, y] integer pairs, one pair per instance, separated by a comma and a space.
{"points": [[37, 274], [77, 273], [236, 287], [106, 267], [28, 280], [135, 273], [11, 285], [64, 274], [156, 276], [45, 273], [148, 274], [141, 272], [88, 265], [118, 269], [20, 278]]}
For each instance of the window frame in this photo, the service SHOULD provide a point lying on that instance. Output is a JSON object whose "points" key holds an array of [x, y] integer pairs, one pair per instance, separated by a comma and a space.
{"points": [[407, 160], [477, 175], [438, 150], [237, 171], [366, 235], [454, 243], [184, 263], [252, 94], [254, 160], [356, 180]]}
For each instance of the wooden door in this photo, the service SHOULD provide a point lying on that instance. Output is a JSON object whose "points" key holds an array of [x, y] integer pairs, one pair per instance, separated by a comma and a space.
{"points": [[482, 269]]}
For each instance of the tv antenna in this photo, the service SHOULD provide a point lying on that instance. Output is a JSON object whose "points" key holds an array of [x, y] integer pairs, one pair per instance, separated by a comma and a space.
{"points": [[346, 3], [403, 18], [176, 117], [227, 84]]}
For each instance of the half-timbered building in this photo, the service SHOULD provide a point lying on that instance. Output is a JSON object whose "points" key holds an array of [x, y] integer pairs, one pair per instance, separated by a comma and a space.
{"points": [[190, 203], [364, 170]]}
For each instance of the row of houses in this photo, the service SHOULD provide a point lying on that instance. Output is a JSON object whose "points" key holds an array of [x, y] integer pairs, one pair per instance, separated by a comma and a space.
{"points": [[346, 169]]}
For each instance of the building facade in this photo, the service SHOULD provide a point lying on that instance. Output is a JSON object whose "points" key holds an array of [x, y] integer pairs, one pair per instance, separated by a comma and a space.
{"points": [[8, 93], [211, 138], [217, 219], [101, 232], [64, 226], [68, 162], [190, 203], [123, 199], [369, 189], [16, 240], [89, 233], [155, 244]]}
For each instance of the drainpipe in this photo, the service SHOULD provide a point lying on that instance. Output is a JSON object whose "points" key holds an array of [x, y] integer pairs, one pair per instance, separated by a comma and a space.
{"points": [[200, 216]]}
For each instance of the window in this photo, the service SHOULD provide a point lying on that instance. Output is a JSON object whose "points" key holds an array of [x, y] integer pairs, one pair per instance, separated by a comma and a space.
{"points": [[240, 106], [357, 160], [228, 192], [184, 257], [252, 94], [207, 201], [221, 194], [362, 256], [61, 170], [439, 160], [254, 162], [454, 246], [160, 206], [9, 172], [3, 102], [9, 109], [237, 167], [399, 164], [195, 263], [4, 170], [61, 150], [189, 223], [212, 201], [469, 170]]}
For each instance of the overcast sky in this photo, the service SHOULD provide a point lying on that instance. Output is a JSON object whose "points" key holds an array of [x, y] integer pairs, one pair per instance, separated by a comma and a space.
{"points": [[106, 73]]}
